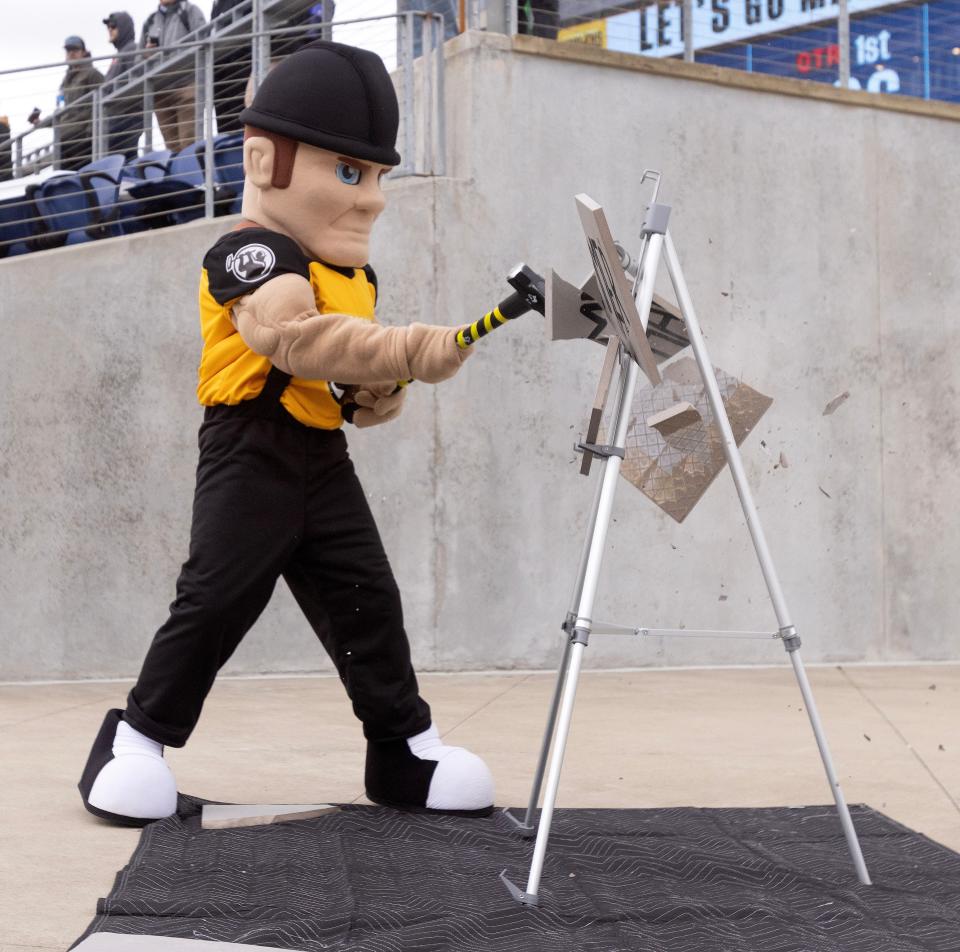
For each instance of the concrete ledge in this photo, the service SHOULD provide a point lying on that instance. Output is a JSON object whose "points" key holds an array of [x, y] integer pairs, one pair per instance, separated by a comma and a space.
{"points": [[722, 76]]}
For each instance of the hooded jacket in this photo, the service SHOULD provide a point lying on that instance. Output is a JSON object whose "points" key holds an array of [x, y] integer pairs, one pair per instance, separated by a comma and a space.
{"points": [[126, 45]]}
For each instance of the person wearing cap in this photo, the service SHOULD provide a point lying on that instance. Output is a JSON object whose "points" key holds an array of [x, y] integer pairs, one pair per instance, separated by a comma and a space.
{"points": [[287, 317], [124, 112], [73, 124]]}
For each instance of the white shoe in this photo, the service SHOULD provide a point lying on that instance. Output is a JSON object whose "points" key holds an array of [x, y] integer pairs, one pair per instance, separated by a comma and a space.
{"points": [[126, 780], [423, 774]]}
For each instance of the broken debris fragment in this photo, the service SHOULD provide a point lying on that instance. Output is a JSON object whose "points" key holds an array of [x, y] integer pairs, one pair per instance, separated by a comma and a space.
{"points": [[835, 402]]}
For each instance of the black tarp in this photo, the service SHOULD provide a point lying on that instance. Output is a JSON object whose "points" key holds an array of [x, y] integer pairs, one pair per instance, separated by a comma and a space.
{"points": [[370, 879]]}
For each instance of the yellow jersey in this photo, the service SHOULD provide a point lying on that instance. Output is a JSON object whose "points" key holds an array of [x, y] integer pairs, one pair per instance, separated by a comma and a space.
{"points": [[230, 372]]}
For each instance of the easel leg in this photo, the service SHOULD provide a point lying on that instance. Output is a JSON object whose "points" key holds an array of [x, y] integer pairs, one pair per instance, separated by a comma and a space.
{"points": [[734, 461], [853, 843], [530, 897], [527, 825], [580, 634]]}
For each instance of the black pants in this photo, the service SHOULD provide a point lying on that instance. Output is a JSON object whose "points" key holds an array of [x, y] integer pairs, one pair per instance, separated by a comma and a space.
{"points": [[75, 153], [230, 74], [123, 134], [274, 498]]}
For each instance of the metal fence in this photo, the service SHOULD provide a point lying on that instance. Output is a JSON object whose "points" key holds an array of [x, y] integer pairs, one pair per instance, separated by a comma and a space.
{"points": [[162, 143]]}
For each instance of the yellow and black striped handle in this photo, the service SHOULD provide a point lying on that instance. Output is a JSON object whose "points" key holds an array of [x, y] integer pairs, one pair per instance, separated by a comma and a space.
{"points": [[489, 322]]}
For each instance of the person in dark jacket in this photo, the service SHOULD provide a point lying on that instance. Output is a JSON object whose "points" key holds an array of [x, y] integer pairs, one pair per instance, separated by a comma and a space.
{"points": [[538, 18], [6, 168], [74, 123], [315, 22], [233, 66], [125, 112], [231, 69]]}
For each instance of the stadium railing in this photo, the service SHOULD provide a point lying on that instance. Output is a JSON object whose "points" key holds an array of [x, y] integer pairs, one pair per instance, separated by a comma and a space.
{"points": [[93, 169]]}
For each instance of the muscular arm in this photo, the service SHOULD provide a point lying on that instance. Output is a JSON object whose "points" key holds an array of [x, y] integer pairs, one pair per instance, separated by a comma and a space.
{"points": [[280, 321]]}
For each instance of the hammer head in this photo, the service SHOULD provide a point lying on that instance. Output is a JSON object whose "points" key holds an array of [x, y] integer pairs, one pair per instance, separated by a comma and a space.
{"points": [[530, 285]]}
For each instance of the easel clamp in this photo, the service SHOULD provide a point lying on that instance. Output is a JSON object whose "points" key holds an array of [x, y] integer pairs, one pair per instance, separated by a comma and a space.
{"points": [[657, 220], [791, 640], [604, 450]]}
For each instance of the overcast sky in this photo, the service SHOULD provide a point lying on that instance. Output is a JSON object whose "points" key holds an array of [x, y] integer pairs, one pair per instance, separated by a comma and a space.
{"points": [[32, 32]]}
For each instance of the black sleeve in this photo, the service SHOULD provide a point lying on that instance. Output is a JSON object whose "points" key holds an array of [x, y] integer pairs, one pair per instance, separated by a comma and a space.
{"points": [[372, 278], [242, 260]]}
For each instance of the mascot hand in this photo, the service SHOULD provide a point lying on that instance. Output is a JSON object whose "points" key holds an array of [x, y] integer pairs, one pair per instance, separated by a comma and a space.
{"points": [[379, 403], [432, 352]]}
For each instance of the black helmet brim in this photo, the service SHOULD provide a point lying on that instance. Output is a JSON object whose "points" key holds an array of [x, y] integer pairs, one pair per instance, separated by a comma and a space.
{"points": [[345, 145]]}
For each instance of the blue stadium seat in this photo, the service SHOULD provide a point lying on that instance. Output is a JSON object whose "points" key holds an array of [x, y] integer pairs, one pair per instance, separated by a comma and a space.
{"points": [[186, 166], [109, 168], [177, 197], [67, 208], [150, 165], [135, 213], [185, 182], [17, 217], [102, 177]]}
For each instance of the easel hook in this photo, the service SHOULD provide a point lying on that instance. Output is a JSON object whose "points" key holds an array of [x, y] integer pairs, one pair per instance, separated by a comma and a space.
{"points": [[652, 175]]}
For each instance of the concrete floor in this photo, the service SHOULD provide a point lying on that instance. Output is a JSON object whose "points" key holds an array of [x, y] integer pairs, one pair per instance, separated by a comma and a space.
{"points": [[722, 737]]}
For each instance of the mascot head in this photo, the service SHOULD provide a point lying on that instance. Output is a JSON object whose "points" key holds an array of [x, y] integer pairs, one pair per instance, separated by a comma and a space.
{"points": [[318, 137]]}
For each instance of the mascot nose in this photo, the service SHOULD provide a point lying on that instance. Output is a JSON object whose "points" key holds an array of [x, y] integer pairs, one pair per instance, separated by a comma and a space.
{"points": [[371, 198]]}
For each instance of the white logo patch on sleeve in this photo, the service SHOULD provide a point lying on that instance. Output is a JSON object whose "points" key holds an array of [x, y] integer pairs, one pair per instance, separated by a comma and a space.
{"points": [[251, 263]]}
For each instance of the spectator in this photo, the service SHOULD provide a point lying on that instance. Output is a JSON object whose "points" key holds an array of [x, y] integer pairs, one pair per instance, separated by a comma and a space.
{"points": [[538, 18], [74, 120], [174, 94], [125, 113], [231, 70], [6, 168], [316, 23]]}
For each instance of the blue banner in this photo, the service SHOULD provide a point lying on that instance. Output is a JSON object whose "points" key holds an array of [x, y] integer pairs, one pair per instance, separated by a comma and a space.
{"points": [[911, 50]]}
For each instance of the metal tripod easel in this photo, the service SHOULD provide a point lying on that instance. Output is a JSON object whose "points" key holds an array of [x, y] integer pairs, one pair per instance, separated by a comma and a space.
{"points": [[628, 313]]}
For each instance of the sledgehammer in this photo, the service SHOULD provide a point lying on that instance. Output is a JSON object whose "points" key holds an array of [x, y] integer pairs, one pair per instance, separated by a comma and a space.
{"points": [[529, 294]]}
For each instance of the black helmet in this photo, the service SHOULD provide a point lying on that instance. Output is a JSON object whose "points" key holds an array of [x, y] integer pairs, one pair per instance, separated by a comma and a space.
{"points": [[332, 96]]}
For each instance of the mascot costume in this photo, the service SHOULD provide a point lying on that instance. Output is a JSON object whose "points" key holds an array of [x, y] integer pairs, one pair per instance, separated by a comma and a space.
{"points": [[287, 308]]}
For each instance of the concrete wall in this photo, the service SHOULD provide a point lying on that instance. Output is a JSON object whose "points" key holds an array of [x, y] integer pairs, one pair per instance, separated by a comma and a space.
{"points": [[818, 238]]}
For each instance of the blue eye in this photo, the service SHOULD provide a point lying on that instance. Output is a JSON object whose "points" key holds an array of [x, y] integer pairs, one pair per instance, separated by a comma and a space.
{"points": [[348, 174]]}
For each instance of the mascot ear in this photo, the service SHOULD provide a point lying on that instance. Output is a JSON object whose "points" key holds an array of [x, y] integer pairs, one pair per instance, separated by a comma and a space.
{"points": [[259, 159]]}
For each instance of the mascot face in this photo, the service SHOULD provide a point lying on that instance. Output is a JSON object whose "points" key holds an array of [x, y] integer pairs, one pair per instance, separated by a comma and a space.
{"points": [[328, 208]]}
